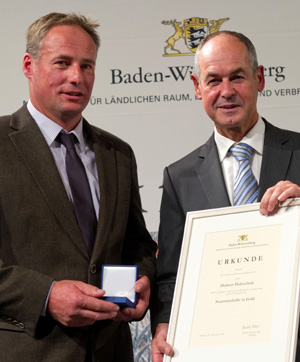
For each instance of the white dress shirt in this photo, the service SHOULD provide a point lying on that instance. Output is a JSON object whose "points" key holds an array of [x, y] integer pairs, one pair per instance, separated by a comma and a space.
{"points": [[254, 138]]}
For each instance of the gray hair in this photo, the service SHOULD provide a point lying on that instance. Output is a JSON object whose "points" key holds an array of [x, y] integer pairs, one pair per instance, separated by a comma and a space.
{"points": [[40, 28], [250, 48]]}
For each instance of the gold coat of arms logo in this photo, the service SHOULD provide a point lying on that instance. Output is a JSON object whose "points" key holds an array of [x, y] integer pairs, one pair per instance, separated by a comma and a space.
{"points": [[193, 31]]}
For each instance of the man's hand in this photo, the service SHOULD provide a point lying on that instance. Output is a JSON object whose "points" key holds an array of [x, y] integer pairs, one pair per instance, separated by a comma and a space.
{"points": [[159, 345], [77, 304], [142, 287], [278, 193]]}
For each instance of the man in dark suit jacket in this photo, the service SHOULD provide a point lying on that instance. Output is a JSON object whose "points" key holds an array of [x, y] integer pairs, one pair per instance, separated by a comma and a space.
{"points": [[50, 306], [227, 79]]}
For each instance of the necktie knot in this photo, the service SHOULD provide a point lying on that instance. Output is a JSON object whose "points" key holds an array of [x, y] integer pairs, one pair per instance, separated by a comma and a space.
{"points": [[245, 185], [241, 151], [67, 139]]}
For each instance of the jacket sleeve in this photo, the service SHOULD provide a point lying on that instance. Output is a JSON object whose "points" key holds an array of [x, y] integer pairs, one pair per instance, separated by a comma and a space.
{"points": [[172, 221], [23, 295]]}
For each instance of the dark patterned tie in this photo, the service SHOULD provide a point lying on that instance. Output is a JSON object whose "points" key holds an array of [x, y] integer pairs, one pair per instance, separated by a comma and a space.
{"points": [[245, 184], [81, 193]]}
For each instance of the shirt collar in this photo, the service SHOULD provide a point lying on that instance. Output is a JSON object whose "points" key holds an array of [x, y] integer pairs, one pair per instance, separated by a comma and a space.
{"points": [[254, 138], [50, 129]]}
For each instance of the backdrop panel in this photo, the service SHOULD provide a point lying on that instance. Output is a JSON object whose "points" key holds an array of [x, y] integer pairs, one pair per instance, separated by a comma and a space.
{"points": [[143, 92]]}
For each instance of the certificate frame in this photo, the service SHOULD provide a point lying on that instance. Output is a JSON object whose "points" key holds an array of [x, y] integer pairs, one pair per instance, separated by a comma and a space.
{"points": [[208, 320]]}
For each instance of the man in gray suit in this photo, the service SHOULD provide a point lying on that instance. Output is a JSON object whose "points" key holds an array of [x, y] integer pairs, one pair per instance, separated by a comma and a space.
{"points": [[227, 79], [50, 298]]}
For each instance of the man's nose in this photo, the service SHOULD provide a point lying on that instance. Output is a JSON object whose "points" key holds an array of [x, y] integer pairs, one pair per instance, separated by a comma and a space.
{"points": [[227, 89], [75, 74]]}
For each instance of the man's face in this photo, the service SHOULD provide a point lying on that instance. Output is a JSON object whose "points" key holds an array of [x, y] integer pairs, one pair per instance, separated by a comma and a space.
{"points": [[228, 87], [61, 79]]}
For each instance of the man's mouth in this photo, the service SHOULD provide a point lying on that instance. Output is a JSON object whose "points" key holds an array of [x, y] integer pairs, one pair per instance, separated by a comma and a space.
{"points": [[75, 94], [228, 106]]}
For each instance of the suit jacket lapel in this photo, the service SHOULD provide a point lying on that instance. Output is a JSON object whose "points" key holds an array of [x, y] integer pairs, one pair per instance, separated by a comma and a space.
{"points": [[211, 177], [33, 148], [107, 175], [275, 148]]}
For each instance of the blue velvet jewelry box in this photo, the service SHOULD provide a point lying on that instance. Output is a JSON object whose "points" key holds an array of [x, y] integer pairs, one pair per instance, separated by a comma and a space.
{"points": [[118, 282]]}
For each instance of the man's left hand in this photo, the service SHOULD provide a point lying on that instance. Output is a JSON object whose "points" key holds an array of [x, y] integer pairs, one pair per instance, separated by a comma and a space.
{"points": [[142, 287], [277, 194]]}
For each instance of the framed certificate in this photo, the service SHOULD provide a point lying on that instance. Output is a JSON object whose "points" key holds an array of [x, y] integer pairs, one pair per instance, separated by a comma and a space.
{"points": [[237, 288]]}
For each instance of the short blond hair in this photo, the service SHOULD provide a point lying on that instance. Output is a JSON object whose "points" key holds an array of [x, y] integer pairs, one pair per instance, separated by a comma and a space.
{"points": [[40, 28]]}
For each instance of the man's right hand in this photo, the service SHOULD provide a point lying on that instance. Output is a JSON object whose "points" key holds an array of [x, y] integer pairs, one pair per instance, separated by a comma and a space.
{"points": [[159, 345], [77, 304]]}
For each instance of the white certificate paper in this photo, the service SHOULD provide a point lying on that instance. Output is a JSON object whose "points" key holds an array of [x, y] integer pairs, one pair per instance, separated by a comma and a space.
{"points": [[242, 268], [236, 295]]}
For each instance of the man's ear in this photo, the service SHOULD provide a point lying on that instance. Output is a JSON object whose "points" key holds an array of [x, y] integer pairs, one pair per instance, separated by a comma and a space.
{"points": [[27, 65], [260, 78], [196, 86]]}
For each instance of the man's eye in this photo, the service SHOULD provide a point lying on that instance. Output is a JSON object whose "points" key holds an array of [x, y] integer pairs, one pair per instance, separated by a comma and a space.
{"points": [[87, 66], [238, 77], [213, 81], [61, 63]]}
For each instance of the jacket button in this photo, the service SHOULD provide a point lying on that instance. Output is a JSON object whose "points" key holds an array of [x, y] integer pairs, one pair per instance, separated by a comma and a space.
{"points": [[18, 324], [93, 268]]}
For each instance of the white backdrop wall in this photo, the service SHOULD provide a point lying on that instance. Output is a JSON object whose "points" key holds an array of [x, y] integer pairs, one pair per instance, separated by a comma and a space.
{"points": [[147, 98]]}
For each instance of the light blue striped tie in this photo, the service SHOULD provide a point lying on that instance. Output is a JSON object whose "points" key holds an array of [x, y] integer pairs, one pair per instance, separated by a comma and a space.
{"points": [[245, 184]]}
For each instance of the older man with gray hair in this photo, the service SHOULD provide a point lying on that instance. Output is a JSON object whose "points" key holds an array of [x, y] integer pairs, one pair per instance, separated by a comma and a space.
{"points": [[227, 79]]}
